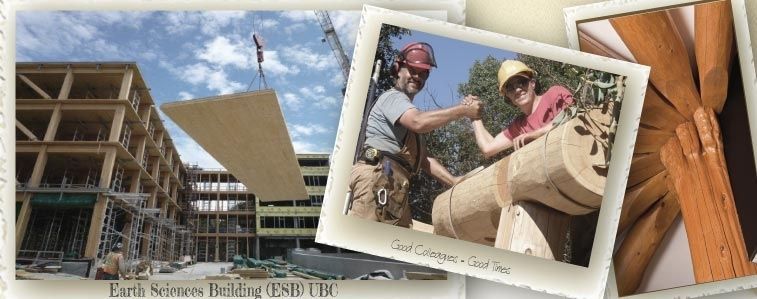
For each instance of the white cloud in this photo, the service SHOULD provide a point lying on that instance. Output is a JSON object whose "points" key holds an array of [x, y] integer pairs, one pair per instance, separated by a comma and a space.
{"points": [[273, 65], [317, 96], [308, 58], [299, 15], [183, 96], [268, 24], [292, 101], [84, 35], [297, 130], [214, 21], [223, 52], [215, 79], [346, 25], [208, 22], [294, 28], [302, 147]]}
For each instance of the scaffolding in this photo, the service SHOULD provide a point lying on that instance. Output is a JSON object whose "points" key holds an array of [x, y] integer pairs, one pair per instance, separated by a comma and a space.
{"points": [[123, 221]]}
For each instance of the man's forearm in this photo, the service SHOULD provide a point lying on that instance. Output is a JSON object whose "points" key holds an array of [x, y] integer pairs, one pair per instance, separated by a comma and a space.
{"points": [[438, 171], [425, 122]]}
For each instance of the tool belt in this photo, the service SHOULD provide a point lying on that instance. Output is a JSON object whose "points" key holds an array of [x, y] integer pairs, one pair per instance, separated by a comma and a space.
{"points": [[390, 189], [372, 156]]}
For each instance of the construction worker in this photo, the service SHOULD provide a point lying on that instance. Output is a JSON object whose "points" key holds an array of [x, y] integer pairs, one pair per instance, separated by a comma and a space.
{"points": [[394, 150], [114, 263], [517, 84]]}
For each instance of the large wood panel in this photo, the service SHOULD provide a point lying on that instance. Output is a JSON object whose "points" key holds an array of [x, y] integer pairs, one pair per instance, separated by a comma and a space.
{"points": [[247, 134]]}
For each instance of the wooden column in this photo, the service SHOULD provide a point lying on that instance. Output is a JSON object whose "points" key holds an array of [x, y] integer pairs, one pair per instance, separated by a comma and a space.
{"points": [[52, 127], [96, 226], [145, 116], [26, 207], [141, 143], [698, 170], [99, 209], [533, 229], [65, 89], [118, 123], [123, 93], [156, 169]]}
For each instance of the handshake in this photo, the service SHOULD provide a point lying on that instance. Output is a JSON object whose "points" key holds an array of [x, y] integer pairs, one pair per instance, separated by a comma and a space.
{"points": [[473, 108]]}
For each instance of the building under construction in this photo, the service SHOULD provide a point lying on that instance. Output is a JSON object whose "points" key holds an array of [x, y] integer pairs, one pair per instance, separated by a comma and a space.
{"points": [[95, 166]]}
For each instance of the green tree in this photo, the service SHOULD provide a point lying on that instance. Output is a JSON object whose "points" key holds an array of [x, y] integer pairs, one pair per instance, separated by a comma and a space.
{"points": [[385, 51]]}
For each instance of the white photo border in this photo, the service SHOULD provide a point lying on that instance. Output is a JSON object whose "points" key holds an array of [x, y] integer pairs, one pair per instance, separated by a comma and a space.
{"points": [[453, 10], [603, 10], [535, 273]]}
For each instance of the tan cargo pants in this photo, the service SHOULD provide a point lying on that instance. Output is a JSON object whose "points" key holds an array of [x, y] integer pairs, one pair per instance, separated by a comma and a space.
{"points": [[366, 180]]}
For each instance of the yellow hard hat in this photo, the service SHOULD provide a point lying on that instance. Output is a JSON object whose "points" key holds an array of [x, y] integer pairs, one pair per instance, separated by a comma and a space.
{"points": [[510, 68]]}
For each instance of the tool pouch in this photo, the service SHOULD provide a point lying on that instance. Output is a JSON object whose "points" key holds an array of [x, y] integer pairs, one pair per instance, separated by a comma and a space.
{"points": [[394, 208]]}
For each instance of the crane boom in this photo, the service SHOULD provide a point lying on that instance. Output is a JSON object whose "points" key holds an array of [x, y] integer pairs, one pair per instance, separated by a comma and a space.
{"points": [[331, 37]]}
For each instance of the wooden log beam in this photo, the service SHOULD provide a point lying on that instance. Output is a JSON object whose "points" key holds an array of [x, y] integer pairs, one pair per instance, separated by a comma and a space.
{"points": [[533, 229], [36, 88], [642, 241], [650, 140], [640, 197], [697, 167], [643, 167], [589, 45], [713, 34], [26, 131], [567, 180], [654, 40], [658, 113]]}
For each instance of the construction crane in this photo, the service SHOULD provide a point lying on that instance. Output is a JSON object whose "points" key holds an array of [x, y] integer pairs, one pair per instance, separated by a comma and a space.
{"points": [[259, 44], [331, 37]]}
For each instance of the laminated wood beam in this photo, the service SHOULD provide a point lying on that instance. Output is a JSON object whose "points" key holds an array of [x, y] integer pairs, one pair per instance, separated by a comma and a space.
{"points": [[26, 131], [247, 134], [65, 89], [654, 40], [123, 92], [713, 34], [36, 88]]}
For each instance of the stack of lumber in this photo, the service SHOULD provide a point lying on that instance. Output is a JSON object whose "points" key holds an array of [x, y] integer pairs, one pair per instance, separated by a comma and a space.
{"points": [[251, 273]]}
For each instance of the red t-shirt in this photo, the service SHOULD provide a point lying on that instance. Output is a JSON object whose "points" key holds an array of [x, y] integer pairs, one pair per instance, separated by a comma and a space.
{"points": [[552, 102]]}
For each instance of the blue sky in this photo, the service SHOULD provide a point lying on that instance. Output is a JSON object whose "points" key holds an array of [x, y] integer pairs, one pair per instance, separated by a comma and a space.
{"points": [[187, 55]]}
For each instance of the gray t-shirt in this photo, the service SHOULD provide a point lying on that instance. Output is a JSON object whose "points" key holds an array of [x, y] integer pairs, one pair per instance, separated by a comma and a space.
{"points": [[383, 131]]}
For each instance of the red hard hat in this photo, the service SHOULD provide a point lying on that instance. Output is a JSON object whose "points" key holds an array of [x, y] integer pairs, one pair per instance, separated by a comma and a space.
{"points": [[418, 54]]}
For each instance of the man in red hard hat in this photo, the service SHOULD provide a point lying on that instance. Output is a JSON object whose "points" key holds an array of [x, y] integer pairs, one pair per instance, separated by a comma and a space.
{"points": [[394, 150]]}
